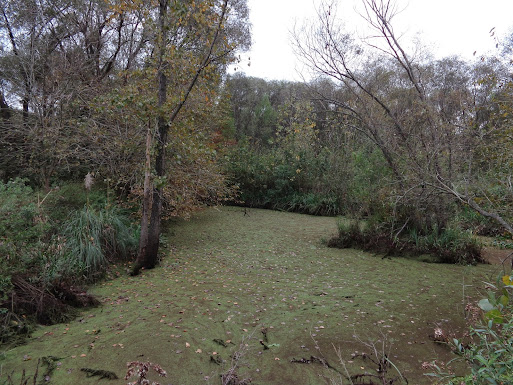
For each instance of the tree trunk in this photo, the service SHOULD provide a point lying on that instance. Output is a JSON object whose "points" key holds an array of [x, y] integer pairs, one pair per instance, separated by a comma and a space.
{"points": [[149, 245], [150, 234], [156, 207], [143, 238], [5, 110]]}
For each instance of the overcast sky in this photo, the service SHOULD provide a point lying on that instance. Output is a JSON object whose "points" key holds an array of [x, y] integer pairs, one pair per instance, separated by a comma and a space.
{"points": [[449, 27]]}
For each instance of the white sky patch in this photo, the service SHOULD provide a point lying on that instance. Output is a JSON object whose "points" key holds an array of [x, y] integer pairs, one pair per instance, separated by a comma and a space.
{"points": [[447, 27]]}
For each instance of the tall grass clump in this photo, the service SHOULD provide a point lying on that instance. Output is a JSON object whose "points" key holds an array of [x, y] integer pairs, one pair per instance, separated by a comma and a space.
{"points": [[446, 245], [449, 245], [96, 237]]}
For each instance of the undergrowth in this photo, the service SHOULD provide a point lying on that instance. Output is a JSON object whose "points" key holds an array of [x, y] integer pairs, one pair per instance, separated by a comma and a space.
{"points": [[489, 355], [46, 259], [448, 245], [480, 225]]}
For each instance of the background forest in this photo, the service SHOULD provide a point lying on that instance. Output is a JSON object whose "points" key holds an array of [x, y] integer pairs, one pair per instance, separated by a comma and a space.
{"points": [[117, 114]]}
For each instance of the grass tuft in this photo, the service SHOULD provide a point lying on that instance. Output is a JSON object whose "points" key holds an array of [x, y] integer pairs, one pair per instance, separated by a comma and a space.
{"points": [[96, 237]]}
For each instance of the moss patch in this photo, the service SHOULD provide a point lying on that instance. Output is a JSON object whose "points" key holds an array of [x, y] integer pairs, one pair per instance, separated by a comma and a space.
{"points": [[232, 278]]}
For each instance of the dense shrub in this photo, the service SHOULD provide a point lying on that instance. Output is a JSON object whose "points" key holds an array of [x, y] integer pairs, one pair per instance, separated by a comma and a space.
{"points": [[26, 234], [471, 220], [45, 247], [22, 221], [307, 180], [72, 196], [448, 245], [368, 237], [29, 250], [313, 204]]}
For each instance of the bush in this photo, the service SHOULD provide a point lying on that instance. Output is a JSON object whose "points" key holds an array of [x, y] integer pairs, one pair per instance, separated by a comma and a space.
{"points": [[280, 180], [72, 196], [32, 261], [39, 268], [473, 221], [299, 174], [368, 236], [449, 245], [313, 204], [22, 221]]}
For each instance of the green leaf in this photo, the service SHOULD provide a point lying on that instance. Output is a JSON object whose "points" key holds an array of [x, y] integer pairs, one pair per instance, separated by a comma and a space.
{"points": [[503, 300], [485, 305], [482, 360], [495, 316]]}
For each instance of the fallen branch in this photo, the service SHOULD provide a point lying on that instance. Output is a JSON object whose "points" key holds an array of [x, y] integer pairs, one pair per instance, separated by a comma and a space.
{"points": [[313, 360], [100, 373]]}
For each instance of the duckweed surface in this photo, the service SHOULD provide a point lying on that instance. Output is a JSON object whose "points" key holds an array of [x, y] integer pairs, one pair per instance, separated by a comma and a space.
{"points": [[264, 288]]}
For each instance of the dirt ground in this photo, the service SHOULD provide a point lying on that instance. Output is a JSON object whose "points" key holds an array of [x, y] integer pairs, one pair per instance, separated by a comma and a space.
{"points": [[498, 257]]}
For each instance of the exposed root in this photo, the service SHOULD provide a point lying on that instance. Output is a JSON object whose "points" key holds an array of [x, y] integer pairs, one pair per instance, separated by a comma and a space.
{"points": [[30, 299]]}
